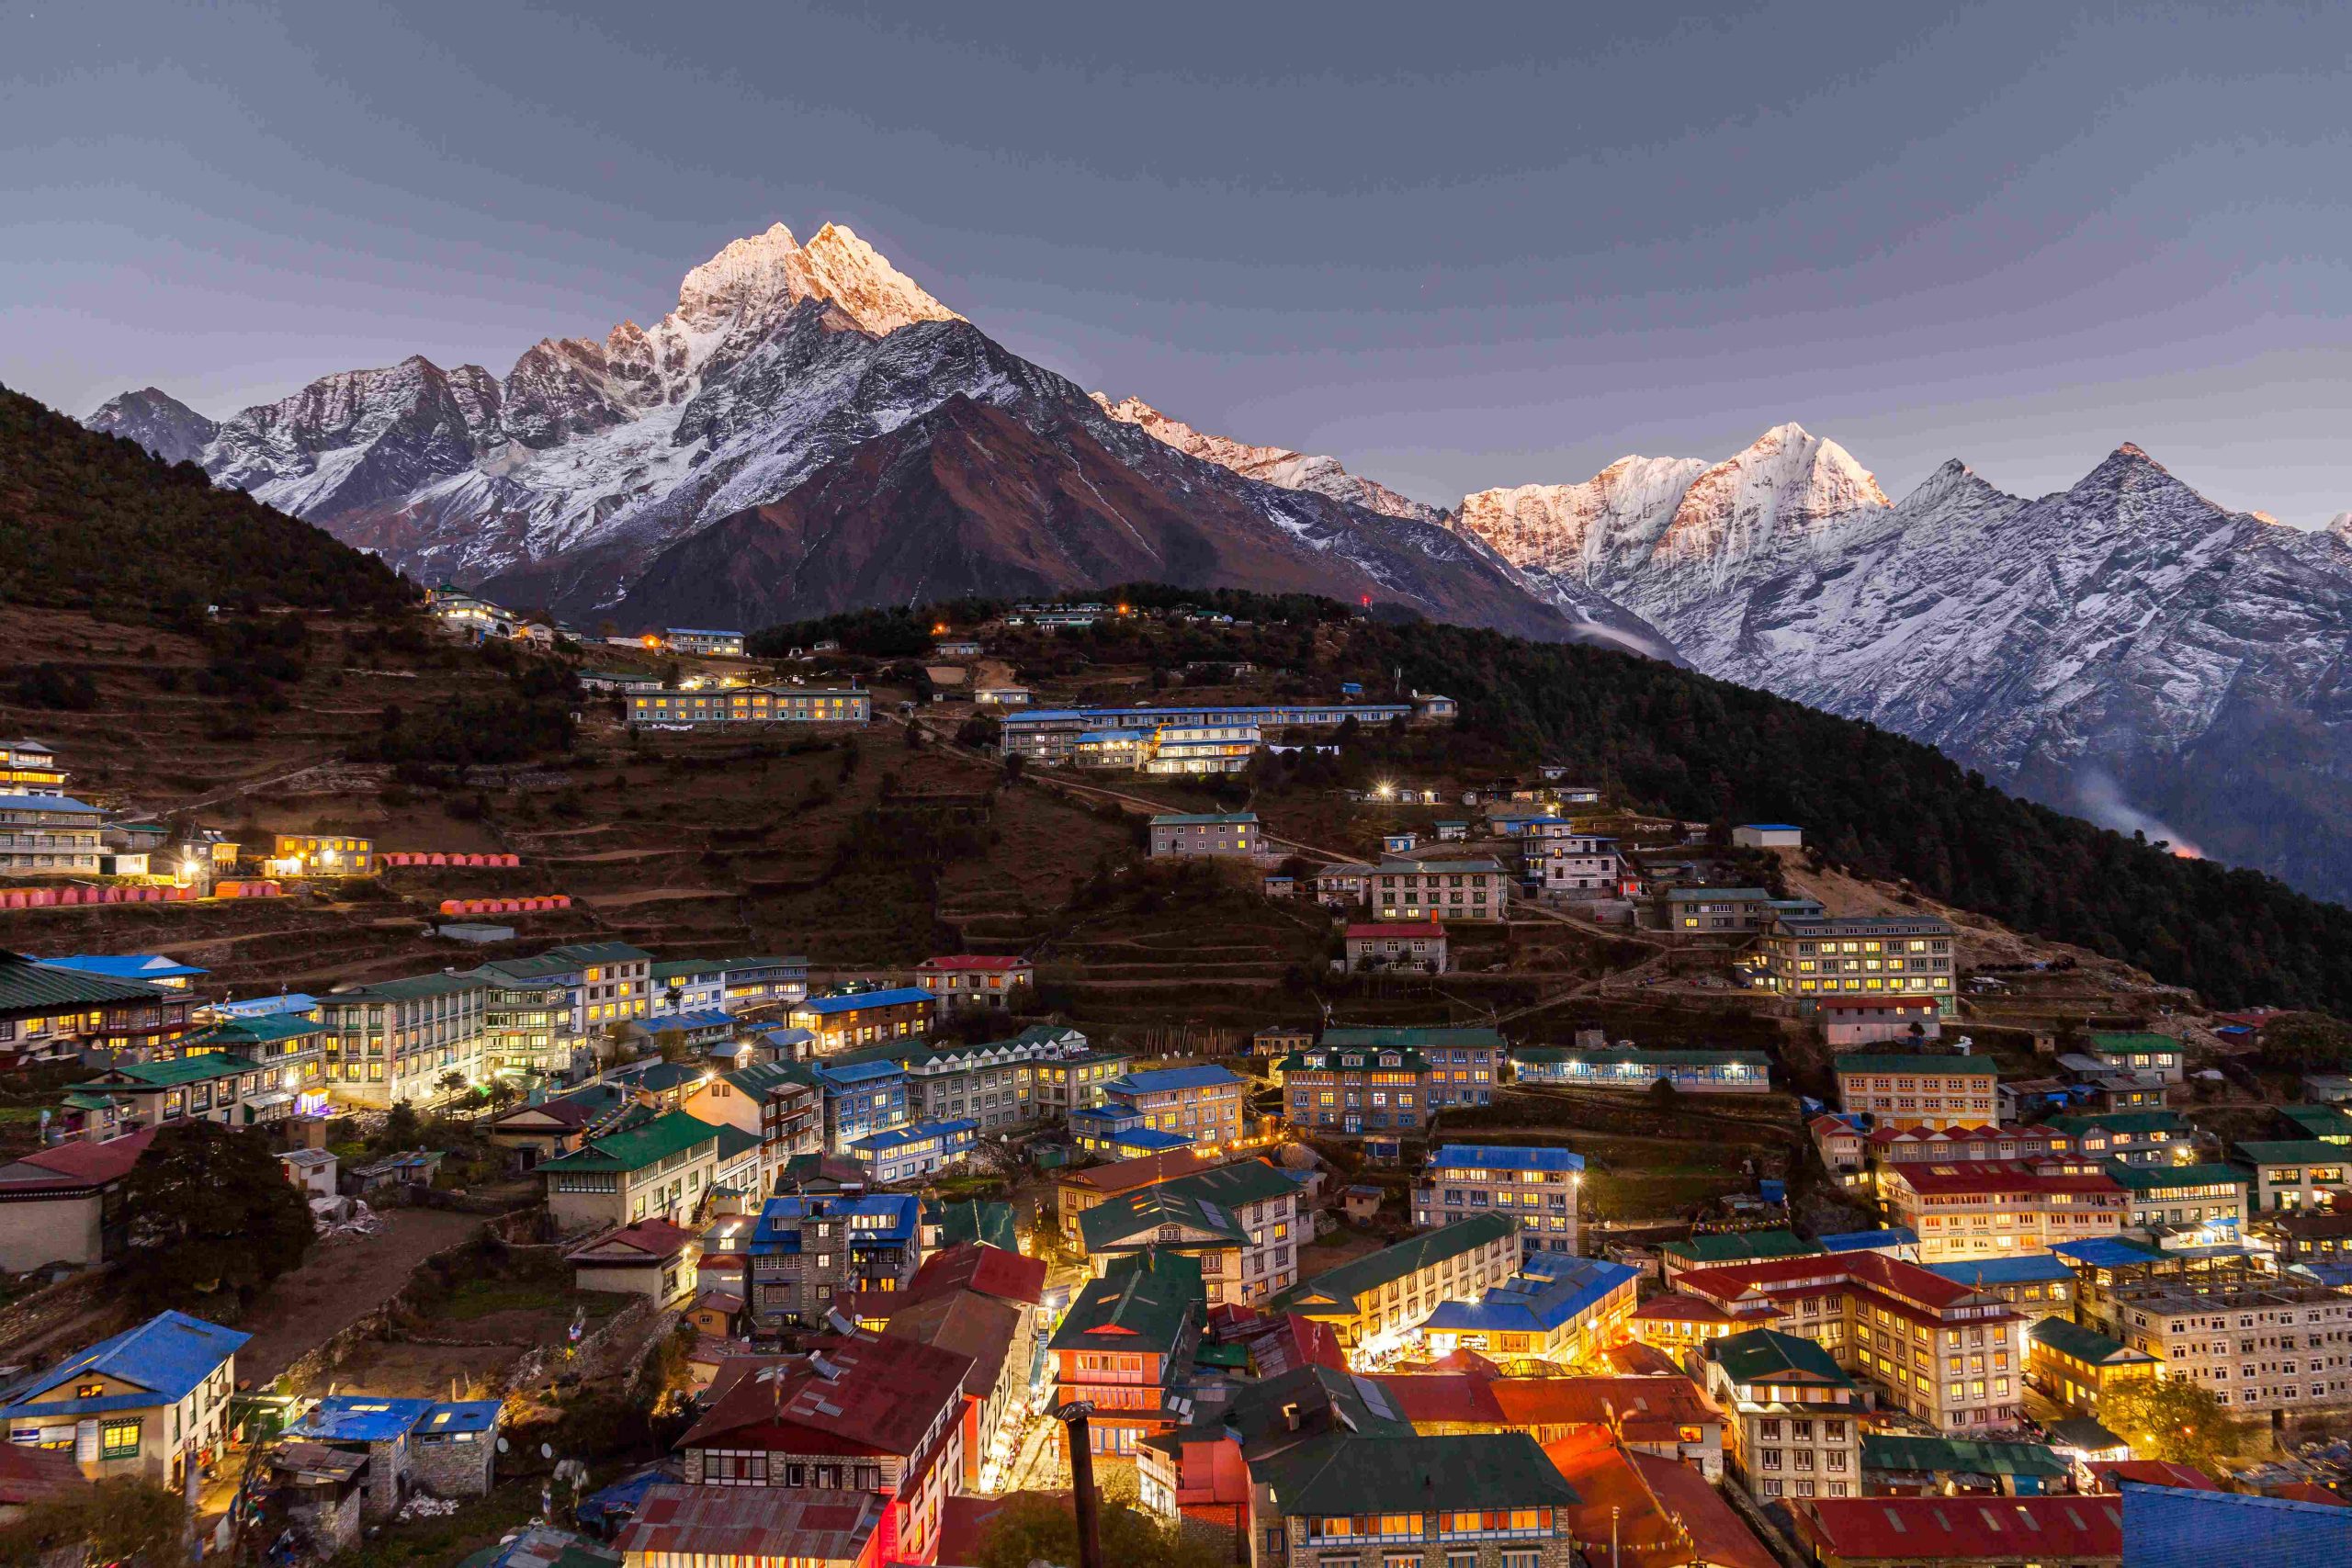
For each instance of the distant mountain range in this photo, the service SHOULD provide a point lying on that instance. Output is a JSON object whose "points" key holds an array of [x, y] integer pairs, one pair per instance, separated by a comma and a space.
{"points": [[810, 431]]}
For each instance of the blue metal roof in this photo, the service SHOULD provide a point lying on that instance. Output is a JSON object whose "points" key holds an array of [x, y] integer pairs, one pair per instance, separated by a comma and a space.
{"points": [[127, 966], [170, 1354], [1160, 1080], [47, 803], [1774, 826], [900, 1137], [896, 995], [1869, 1241], [2041, 1268], [2105, 1252], [1549, 1291], [267, 1007], [661, 1021], [360, 1418], [463, 1415], [1499, 1156], [849, 1073]]}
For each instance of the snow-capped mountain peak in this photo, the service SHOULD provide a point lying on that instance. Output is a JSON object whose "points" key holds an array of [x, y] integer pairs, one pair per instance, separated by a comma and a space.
{"points": [[754, 279], [157, 421], [2341, 526]]}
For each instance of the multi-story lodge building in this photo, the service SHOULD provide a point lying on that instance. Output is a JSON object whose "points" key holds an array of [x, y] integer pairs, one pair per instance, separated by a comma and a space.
{"points": [[1051, 735], [808, 1247], [1949, 1146], [2291, 1174], [999, 1083], [753, 705], [1437, 890], [1576, 865], [1243, 1222], [1486, 1497], [1125, 1345], [2132, 1137], [1345, 1091], [645, 1167], [1722, 1071], [1465, 1062], [1796, 1415], [865, 1018], [321, 854], [1202, 1103], [29, 767], [1951, 1355], [1538, 1187], [865, 1417], [1918, 1091], [968, 979], [704, 640], [2259, 1346], [2203, 1204], [1379, 1299], [529, 1016], [732, 985], [48, 1013], [1193, 833], [2077, 1366], [2140, 1053], [396, 1040], [1808, 956], [1980, 1209], [45, 835]]}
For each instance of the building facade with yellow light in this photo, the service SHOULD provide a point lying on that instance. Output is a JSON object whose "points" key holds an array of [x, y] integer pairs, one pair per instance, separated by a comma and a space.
{"points": [[321, 854], [29, 767], [1806, 957], [753, 705], [1902, 1091], [397, 1040], [1438, 889]]}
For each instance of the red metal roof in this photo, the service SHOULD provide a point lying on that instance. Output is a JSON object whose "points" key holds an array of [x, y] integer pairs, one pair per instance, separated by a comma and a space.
{"points": [[1637, 1359], [1125, 1176], [761, 1522], [648, 1241], [2306, 1491], [1438, 1398], [1677, 1306], [1719, 1536], [1882, 1000], [1963, 1530], [30, 1475], [1962, 1178], [1396, 927], [2154, 1473], [870, 1395], [968, 961], [1644, 1408], [974, 1266], [1660, 1513], [92, 1165]]}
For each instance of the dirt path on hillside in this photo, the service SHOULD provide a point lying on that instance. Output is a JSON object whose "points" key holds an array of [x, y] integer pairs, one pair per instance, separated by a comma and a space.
{"points": [[340, 1284]]}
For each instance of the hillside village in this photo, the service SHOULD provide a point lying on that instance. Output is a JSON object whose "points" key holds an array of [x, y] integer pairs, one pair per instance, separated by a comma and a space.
{"points": [[852, 1094]]}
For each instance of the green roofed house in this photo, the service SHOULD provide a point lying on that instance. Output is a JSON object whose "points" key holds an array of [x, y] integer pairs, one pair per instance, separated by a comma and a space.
{"points": [[1124, 1341], [2293, 1173], [969, 1219], [1378, 1299], [1485, 1498], [2135, 1137], [1692, 1072], [1894, 1465], [2325, 1123], [655, 1168], [2138, 1052], [1766, 1380], [2205, 1202], [1722, 1249], [1917, 1090], [2076, 1366], [1241, 1221], [214, 1087]]}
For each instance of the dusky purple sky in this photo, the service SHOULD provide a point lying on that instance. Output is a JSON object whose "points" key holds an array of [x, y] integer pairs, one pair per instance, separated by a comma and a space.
{"points": [[1455, 245]]}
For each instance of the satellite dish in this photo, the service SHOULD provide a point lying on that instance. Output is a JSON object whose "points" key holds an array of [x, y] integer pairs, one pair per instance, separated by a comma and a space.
{"points": [[547, 1450], [502, 1446]]}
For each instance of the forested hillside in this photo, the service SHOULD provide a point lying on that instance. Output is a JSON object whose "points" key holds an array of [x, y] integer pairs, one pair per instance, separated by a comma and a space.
{"points": [[89, 520]]}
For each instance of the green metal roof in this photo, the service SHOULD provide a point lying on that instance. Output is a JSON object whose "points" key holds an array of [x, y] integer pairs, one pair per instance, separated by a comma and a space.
{"points": [[27, 987], [1144, 1211], [760, 1077], [175, 1072], [649, 1143], [1354, 1059], [970, 1219], [1361, 1475], [597, 953], [267, 1030], [1741, 1246], [2293, 1151], [2087, 1346], [2133, 1044], [1419, 1039], [406, 989], [2164, 1177], [2117, 1122], [1887, 1451], [1203, 819], [1336, 1289], [2323, 1121], [1891, 1062], [1142, 1304], [1766, 1355]]}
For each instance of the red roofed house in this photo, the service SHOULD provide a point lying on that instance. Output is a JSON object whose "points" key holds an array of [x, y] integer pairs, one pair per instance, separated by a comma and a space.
{"points": [[1897, 1324], [2307, 1492], [1841, 1145], [1981, 1532], [1980, 1209], [30, 1476], [1075, 1192], [58, 1204], [1873, 1021], [651, 1258], [1666, 1417], [966, 980], [1904, 1145], [2109, 1477], [1640, 1511], [997, 1336], [781, 1527], [1635, 1360], [1442, 1404], [864, 1413], [1397, 944], [975, 1265]]}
